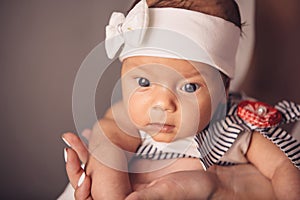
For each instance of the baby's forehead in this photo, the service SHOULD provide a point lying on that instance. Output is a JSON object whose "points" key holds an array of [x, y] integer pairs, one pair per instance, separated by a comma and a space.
{"points": [[159, 64]]}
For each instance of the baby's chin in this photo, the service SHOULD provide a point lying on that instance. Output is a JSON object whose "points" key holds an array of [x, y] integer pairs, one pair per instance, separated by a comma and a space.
{"points": [[163, 137], [167, 137]]}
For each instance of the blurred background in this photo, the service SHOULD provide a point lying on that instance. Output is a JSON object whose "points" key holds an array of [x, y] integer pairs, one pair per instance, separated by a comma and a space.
{"points": [[43, 43]]}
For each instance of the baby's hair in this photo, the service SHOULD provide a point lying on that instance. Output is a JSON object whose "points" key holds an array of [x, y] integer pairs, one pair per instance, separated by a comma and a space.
{"points": [[226, 9]]}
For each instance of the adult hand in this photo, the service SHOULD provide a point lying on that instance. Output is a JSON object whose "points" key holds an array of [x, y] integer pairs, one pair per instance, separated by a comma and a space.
{"points": [[240, 181], [75, 155], [180, 185], [234, 182]]}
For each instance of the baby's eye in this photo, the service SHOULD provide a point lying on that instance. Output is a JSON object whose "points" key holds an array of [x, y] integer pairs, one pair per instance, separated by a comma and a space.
{"points": [[190, 87], [143, 82]]}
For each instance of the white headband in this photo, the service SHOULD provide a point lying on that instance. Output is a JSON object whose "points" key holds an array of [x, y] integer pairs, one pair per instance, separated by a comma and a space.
{"points": [[173, 33]]}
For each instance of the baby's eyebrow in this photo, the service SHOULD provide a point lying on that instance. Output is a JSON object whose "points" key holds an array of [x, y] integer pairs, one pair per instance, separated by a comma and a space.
{"points": [[139, 70], [196, 73]]}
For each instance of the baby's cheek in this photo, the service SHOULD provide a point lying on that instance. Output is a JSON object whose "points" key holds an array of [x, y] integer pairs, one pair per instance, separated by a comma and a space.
{"points": [[137, 110], [196, 114]]}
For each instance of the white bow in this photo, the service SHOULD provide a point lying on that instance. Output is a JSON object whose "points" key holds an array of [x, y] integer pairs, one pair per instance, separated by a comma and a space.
{"points": [[129, 30]]}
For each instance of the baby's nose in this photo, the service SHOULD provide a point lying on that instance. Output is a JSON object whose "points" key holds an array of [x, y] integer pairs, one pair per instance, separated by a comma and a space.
{"points": [[164, 99]]}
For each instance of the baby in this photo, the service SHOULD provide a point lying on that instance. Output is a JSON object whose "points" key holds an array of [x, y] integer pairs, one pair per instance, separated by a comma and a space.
{"points": [[176, 114]]}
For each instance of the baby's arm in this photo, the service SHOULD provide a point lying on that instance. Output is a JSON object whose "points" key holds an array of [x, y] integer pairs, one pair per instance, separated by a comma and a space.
{"points": [[238, 182], [107, 165], [275, 165]]}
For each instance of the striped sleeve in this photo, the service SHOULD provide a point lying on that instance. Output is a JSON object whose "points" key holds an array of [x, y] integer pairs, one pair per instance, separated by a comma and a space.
{"points": [[289, 110], [288, 144], [215, 141]]}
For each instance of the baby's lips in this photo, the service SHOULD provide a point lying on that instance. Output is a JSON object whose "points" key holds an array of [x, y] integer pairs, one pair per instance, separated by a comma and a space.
{"points": [[259, 114], [160, 127]]}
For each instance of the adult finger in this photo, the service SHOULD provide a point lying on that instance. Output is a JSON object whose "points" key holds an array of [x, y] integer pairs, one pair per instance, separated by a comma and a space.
{"points": [[73, 166], [83, 190], [72, 140], [78, 179]]}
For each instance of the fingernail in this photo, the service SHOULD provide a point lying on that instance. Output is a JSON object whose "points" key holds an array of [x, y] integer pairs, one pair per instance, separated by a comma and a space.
{"points": [[65, 154], [81, 179], [65, 141], [83, 166]]}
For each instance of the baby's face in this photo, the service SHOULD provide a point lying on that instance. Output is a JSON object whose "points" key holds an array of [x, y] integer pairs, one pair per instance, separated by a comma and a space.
{"points": [[170, 98]]}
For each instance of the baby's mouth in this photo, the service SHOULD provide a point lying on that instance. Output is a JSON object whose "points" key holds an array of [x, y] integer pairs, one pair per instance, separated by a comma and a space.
{"points": [[160, 127]]}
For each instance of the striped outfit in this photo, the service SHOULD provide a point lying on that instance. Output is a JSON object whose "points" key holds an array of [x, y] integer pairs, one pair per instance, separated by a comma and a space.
{"points": [[226, 140]]}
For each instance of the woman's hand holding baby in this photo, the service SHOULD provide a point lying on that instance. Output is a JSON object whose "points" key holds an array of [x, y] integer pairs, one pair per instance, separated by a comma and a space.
{"points": [[241, 181], [77, 154]]}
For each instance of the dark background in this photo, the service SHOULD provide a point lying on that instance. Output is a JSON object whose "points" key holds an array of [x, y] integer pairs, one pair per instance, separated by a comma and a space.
{"points": [[42, 44]]}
